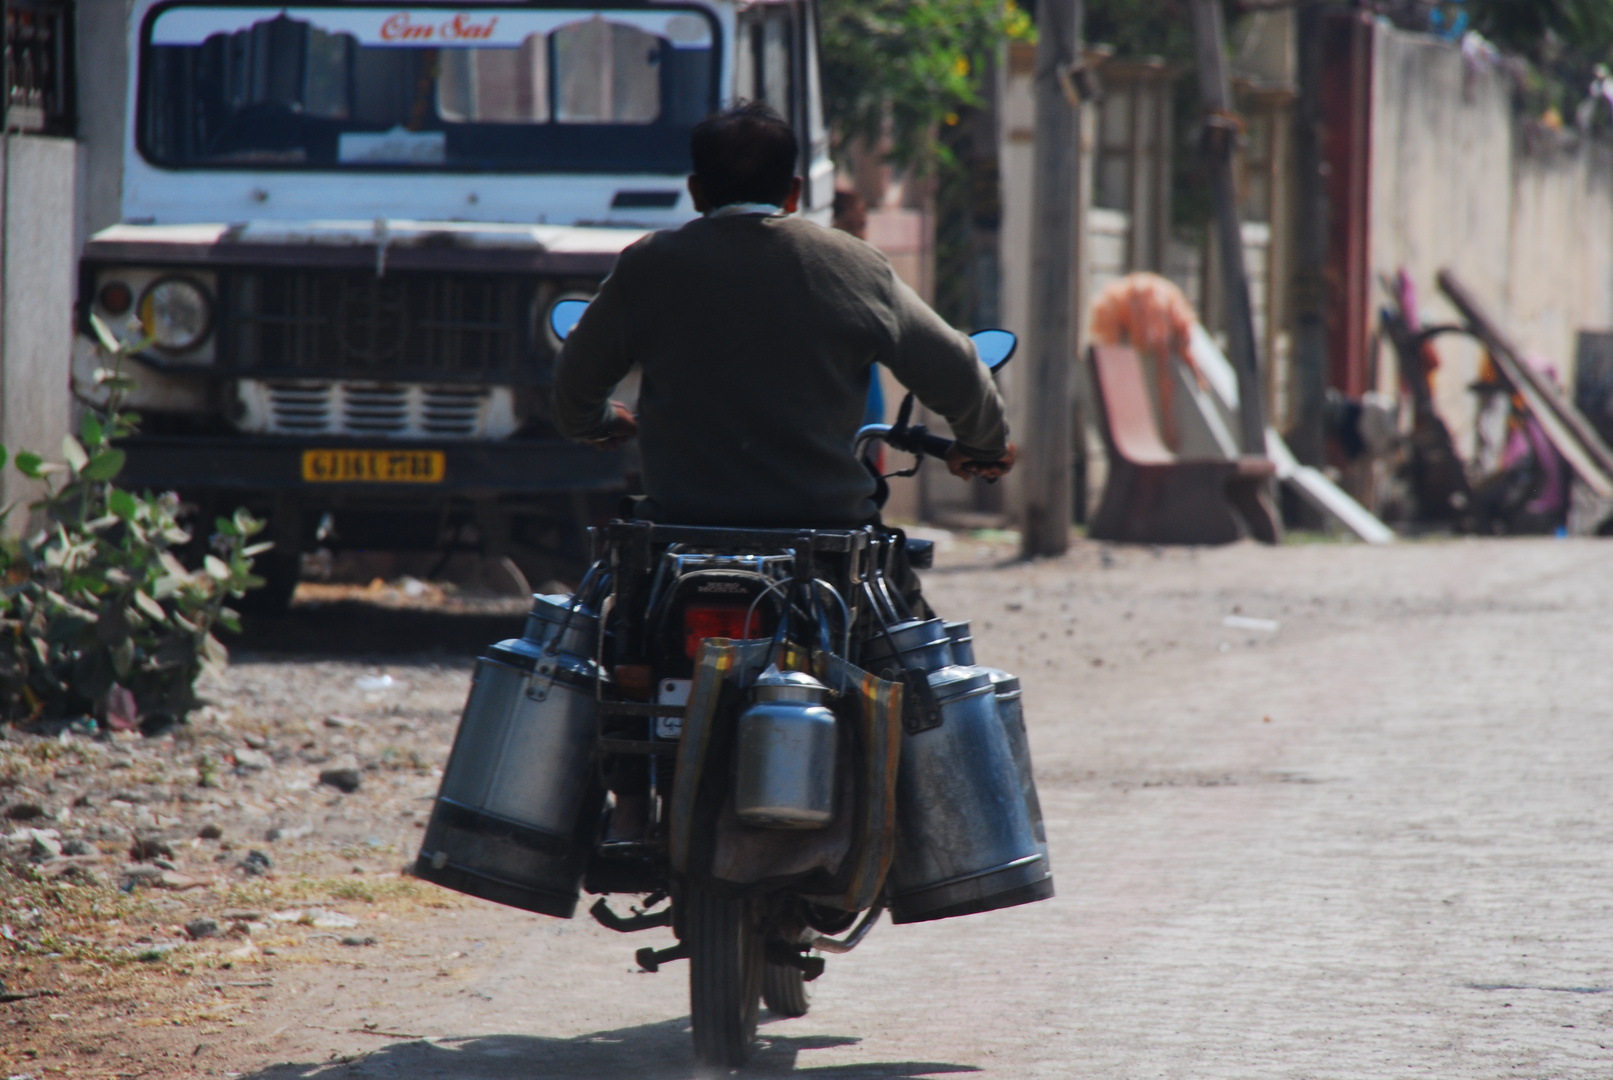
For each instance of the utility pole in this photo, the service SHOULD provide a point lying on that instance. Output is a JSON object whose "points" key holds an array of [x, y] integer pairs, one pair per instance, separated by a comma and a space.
{"points": [[1310, 247], [1221, 129], [1056, 262]]}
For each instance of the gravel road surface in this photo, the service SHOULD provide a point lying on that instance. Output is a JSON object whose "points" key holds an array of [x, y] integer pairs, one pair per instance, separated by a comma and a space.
{"points": [[1319, 811]]}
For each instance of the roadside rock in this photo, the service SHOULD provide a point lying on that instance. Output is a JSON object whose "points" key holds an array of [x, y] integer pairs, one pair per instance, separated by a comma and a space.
{"points": [[255, 741], [251, 761], [141, 873], [145, 848], [256, 863], [201, 928], [79, 873], [210, 831], [79, 847], [44, 848], [344, 778], [327, 920], [25, 811], [354, 939], [288, 832]]}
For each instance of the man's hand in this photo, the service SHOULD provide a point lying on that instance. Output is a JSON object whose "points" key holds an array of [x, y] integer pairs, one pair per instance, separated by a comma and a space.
{"points": [[623, 429], [965, 467]]}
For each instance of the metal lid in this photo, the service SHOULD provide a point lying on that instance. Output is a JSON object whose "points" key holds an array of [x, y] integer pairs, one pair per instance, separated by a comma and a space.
{"points": [[959, 630], [907, 636], [1004, 682], [551, 612], [955, 682], [528, 655], [776, 685]]}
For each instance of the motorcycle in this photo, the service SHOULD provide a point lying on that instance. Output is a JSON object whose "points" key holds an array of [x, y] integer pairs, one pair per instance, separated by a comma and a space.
{"points": [[750, 731]]}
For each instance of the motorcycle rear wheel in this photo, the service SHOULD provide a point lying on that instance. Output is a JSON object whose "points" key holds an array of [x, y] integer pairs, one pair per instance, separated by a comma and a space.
{"points": [[785, 990], [726, 958]]}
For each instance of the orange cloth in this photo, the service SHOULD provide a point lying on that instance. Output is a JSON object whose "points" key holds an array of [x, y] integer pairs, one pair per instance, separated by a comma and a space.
{"points": [[1153, 316]]}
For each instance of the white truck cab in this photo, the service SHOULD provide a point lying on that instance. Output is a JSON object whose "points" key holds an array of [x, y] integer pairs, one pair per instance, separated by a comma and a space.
{"points": [[344, 224]]}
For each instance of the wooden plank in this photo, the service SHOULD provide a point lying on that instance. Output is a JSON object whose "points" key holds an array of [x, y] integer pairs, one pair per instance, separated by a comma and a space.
{"points": [[1315, 488], [1568, 430]]}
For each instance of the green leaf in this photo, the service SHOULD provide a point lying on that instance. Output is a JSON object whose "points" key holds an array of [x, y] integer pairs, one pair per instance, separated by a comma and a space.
{"points": [[28, 463], [216, 568], [123, 504], [226, 527], [109, 340], [149, 607], [89, 430], [105, 465], [252, 550], [74, 453]]}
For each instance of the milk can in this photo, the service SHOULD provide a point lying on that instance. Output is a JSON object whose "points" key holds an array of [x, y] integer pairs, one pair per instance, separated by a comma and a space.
{"points": [[963, 642], [1010, 710], [785, 753], [964, 841], [515, 815], [923, 643]]}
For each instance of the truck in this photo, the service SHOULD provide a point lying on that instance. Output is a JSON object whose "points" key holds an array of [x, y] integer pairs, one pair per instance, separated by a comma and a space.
{"points": [[342, 226]]}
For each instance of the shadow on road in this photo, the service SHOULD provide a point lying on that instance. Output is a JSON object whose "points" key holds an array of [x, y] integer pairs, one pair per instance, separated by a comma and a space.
{"points": [[354, 629], [647, 1052]]}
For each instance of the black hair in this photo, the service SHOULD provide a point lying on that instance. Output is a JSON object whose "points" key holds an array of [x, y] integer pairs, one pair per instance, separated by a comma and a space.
{"points": [[745, 153]]}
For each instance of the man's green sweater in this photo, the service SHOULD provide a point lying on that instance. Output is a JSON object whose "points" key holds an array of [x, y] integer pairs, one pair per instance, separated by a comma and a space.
{"points": [[755, 337]]}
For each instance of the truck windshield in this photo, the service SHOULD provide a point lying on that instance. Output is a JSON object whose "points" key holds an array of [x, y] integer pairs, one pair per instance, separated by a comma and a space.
{"points": [[425, 88]]}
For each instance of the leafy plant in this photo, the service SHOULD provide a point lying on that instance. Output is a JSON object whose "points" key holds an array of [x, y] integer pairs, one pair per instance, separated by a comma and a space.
{"points": [[905, 68], [97, 612]]}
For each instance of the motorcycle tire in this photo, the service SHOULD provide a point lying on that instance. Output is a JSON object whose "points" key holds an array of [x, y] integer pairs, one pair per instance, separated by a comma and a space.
{"points": [[785, 990], [726, 958]]}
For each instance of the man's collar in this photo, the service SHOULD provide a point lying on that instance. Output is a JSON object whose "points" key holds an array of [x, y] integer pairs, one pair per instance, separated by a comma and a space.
{"points": [[741, 208]]}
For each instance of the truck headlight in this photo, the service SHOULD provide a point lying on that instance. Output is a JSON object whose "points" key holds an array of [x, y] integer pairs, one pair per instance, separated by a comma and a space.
{"points": [[176, 313]]}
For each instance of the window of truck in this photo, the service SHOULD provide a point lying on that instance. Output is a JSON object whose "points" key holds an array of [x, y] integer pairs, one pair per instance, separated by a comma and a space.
{"points": [[476, 88]]}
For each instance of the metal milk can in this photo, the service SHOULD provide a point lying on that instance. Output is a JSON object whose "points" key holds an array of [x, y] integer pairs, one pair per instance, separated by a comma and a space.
{"points": [[1011, 711], [963, 642], [785, 753], [923, 643], [964, 841], [515, 814]]}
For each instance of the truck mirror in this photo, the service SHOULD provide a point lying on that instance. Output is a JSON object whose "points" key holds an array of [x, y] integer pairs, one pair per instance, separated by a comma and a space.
{"points": [[566, 314], [994, 347]]}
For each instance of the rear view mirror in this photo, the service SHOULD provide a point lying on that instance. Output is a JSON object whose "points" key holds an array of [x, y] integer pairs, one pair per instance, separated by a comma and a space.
{"points": [[566, 314], [994, 347]]}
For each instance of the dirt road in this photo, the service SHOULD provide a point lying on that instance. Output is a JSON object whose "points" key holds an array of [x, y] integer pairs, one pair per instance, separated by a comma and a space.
{"points": [[1369, 837]]}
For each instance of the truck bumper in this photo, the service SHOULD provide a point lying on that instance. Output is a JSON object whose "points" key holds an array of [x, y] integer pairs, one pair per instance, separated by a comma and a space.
{"points": [[508, 467]]}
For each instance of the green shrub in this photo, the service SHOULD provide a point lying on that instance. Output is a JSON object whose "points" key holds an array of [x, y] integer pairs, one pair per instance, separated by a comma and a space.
{"points": [[95, 605]]}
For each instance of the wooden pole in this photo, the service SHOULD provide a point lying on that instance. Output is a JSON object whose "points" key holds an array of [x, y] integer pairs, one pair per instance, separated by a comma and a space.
{"points": [[1055, 268], [1220, 140]]}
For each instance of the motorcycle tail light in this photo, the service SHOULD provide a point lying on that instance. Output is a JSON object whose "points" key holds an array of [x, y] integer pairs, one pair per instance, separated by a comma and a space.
{"points": [[727, 621]]}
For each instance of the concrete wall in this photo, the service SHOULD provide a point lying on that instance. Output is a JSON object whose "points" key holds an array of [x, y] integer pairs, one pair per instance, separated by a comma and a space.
{"points": [[1524, 216], [37, 271], [103, 63]]}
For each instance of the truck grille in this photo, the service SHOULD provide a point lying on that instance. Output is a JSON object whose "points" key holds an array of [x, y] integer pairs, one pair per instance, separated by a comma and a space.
{"points": [[329, 323], [368, 410]]}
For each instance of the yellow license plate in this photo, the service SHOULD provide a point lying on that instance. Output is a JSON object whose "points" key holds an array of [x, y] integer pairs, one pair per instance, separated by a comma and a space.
{"points": [[372, 466]]}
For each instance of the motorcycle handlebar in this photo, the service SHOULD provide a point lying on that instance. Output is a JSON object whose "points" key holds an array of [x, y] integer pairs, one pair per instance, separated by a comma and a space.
{"points": [[914, 439]]}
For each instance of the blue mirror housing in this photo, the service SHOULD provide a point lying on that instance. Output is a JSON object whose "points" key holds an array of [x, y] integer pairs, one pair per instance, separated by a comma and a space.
{"points": [[565, 315], [994, 347]]}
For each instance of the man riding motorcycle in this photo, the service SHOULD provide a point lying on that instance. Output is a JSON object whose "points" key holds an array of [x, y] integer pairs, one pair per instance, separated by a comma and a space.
{"points": [[755, 333]]}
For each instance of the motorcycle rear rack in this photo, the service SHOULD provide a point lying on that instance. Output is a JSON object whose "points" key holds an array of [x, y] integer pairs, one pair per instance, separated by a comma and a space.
{"points": [[649, 712]]}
